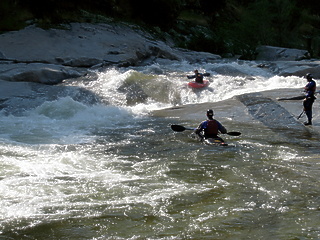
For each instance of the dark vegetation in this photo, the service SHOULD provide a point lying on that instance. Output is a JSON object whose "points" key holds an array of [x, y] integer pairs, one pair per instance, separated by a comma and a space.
{"points": [[233, 27]]}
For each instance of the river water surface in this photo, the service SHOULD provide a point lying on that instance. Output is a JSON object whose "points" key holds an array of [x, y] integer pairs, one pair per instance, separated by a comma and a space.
{"points": [[73, 168]]}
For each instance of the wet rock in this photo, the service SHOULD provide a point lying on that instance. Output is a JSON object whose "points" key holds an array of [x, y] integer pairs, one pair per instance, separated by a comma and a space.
{"points": [[2, 56], [257, 110], [197, 57], [36, 72], [301, 70], [82, 45], [231, 71], [83, 62], [269, 112], [270, 53]]}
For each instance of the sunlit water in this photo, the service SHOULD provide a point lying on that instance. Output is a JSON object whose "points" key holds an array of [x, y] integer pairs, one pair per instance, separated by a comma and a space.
{"points": [[71, 169]]}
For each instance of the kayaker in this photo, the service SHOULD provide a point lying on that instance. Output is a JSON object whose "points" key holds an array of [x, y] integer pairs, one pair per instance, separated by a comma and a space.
{"points": [[210, 128], [198, 76], [310, 89]]}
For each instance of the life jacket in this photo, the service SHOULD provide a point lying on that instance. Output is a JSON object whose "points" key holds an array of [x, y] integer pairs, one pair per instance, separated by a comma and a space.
{"points": [[212, 128], [314, 88], [199, 78], [311, 86]]}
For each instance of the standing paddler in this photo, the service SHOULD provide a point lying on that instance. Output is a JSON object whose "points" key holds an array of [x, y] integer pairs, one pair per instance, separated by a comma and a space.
{"points": [[310, 89]]}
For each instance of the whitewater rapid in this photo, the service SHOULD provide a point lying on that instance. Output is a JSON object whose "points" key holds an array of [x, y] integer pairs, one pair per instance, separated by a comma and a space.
{"points": [[92, 162], [166, 86]]}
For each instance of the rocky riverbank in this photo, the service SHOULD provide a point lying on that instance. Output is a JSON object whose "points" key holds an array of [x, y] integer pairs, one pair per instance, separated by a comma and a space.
{"points": [[51, 56], [48, 57]]}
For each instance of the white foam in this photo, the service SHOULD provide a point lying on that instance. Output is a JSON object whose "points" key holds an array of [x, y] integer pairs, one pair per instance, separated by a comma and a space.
{"points": [[62, 121], [168, 86]]}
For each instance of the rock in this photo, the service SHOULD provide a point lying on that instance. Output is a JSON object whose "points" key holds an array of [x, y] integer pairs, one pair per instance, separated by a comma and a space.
{"points": [[270, 53], [9, 90], [267, 111], [294, 68], [86, 45], [82, 45], [302, 71], [196, 57], [2, 56], [258, 110], [80, 40], [36, 72], [94, 46], [231, 71], [83, 62]]}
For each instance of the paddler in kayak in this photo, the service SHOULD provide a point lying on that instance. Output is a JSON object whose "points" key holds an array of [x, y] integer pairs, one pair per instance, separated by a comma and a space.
{"points": [[210, 128], [198, 76]]}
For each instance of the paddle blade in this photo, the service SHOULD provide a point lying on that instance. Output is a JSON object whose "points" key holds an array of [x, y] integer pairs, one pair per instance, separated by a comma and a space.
{"points": [[179, 128], [234, 133]]}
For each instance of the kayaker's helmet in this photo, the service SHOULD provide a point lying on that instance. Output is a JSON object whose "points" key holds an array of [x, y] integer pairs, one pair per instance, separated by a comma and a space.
{"points": [[309, 76], [210, 113]]}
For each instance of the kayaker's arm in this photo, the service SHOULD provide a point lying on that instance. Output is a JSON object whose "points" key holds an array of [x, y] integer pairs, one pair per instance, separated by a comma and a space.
{"points": [[221, 128], [198, 131]]}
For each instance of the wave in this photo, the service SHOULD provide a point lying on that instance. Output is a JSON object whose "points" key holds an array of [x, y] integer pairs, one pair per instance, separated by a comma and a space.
{"points": [[129, 93], [63, 121], [159, 86]]}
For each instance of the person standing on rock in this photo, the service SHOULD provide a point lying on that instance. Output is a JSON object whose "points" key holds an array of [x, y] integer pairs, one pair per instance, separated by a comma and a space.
{"points": [[198, 76], [210, 128], [310, 89]]}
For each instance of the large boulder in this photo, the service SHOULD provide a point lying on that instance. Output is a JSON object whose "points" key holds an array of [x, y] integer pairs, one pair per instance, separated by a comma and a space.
{"points": [[80, 40], [81, 45], [85, 45], [270, 53], [36, 72], [293, 68], [232, 71], [302, 70]]}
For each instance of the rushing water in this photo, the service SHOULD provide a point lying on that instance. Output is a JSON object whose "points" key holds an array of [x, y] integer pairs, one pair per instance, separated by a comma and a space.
{"points": [[73, 168]]}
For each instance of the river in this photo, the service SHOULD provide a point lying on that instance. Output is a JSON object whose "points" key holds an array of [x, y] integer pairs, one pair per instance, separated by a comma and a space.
{"points": [[101, 166]]}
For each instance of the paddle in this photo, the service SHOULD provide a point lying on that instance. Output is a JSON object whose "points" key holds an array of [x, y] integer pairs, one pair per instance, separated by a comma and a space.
{"points": [[301, 114], [204, 74], [179, 128]]}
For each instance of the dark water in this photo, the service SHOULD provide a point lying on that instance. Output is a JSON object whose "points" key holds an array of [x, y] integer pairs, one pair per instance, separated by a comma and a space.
{"points": [[72, 170]]}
